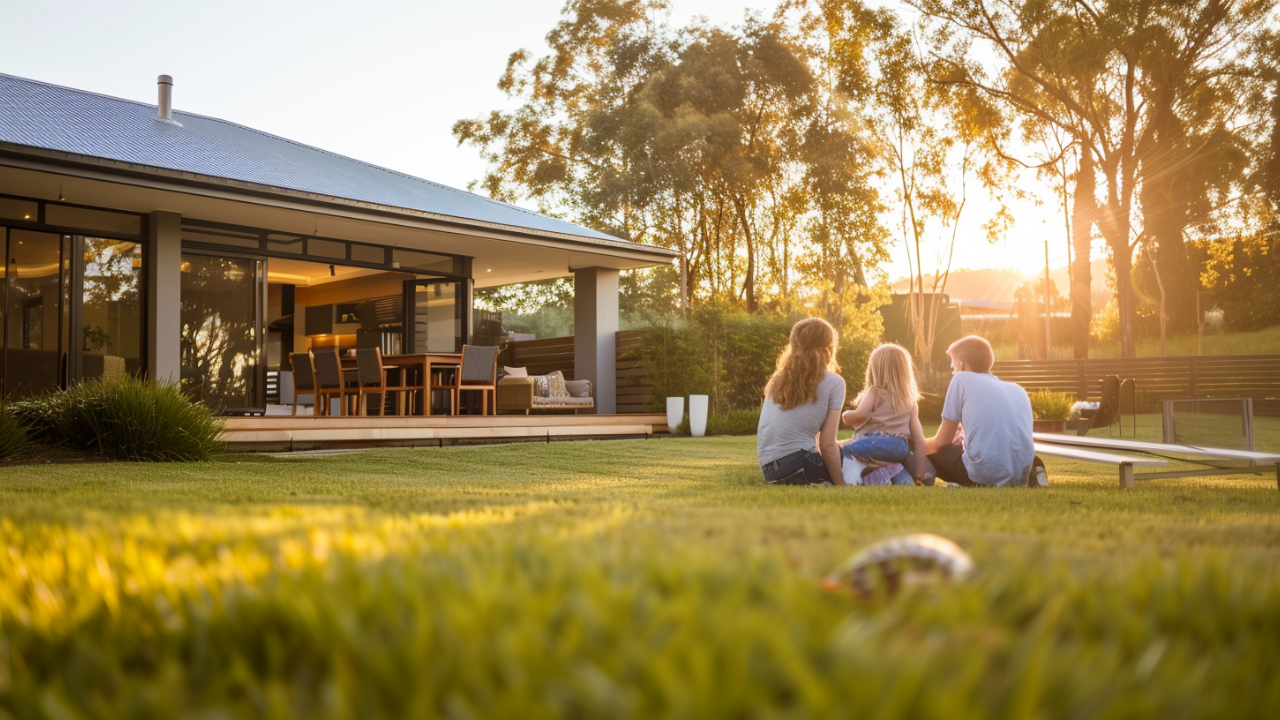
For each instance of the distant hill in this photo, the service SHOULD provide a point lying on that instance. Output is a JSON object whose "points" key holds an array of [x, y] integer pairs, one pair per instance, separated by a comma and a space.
{"points": [[995, 286]]}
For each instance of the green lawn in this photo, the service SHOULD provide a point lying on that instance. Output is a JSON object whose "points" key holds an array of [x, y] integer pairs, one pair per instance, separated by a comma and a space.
{"points": [[633, 579]]}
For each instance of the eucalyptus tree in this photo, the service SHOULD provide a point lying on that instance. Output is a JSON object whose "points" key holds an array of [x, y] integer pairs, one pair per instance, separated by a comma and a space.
{"points": [[929, 141], [1132, 81], [687, 138], [842, 168]]}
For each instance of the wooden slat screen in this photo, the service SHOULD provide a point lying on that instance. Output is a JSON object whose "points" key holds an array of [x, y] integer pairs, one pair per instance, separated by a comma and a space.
{"points": [[635, 389], [635, 386], [542, 356]]}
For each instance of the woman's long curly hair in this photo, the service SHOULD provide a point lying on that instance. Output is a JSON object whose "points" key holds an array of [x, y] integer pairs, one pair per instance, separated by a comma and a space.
{"points": [[808, 357]]}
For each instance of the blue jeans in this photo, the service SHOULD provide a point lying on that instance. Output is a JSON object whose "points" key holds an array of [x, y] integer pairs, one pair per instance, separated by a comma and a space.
{"points": [[879, 447], [801, 467], [884, 448]]}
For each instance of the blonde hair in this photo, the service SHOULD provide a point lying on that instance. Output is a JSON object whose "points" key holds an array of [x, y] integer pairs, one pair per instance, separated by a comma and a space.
{"points": [[810, 354], [975, 352], [892, 374]]}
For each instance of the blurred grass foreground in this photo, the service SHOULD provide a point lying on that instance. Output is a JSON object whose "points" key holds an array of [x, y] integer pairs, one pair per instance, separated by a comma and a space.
{"points": [[637, 579]]}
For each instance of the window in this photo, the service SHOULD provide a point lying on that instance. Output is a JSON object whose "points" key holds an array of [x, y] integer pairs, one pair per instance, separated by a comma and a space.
{"points": [[424, 262], [368, 254], [222, 237], [327, 248], [99, 220], [111, 309], [19, 209]]}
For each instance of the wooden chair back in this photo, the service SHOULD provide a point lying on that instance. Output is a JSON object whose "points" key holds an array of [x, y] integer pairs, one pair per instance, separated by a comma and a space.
{"points": [[479, 365], [328, 368], [369, 367], [303, 375]]}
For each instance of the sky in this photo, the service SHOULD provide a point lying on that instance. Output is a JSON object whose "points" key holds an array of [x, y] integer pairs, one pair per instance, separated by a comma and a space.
{"points": [[376, 80]]}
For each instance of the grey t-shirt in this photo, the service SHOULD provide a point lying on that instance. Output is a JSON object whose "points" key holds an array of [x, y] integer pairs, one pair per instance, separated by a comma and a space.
{"points": [[996, 416], [782, 432]]}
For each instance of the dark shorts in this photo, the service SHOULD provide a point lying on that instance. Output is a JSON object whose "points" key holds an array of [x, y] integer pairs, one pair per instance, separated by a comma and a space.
{"points": [[949, 462], [802, 467]]}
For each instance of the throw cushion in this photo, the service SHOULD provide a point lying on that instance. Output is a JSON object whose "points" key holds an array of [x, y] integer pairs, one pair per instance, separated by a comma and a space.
{"points": [[541, 386], [556, 382], [514, 372]]}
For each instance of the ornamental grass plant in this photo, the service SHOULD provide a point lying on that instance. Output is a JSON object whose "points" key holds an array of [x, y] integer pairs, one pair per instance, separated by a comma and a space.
{"points": [[124, 418], [13, 436], [1049, 405]]}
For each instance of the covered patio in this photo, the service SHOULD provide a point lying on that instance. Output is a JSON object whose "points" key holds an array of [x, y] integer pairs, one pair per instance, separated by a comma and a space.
{"points": [[238, 249]]}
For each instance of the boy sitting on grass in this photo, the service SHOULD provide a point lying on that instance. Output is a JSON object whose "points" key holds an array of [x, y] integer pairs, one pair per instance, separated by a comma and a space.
{"points": [[998, 449]]}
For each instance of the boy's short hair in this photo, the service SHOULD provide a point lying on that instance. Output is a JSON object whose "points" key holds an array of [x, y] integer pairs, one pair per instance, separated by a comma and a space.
{"points": [[975, 352]]}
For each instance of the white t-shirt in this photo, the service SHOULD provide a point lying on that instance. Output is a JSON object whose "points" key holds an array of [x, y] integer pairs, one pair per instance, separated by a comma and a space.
{"points": [[782, 432], [996, 415]]}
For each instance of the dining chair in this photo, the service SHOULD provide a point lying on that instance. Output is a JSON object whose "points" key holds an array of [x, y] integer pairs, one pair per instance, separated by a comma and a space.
{"points": [[371, 379], [330, 381], [478, 372], [304, 383]]}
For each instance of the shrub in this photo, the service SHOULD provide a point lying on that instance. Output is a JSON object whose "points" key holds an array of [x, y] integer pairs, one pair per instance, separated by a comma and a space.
{"points": [[124, 418], [729, 356], [12, 435], [1048, 405], [933, 392], [734, 422]]}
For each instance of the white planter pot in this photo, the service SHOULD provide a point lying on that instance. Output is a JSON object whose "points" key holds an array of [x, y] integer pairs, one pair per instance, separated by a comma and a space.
{"points": [[675, 412], [697, 415]]}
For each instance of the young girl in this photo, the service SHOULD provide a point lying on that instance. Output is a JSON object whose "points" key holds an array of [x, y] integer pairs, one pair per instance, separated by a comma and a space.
{"points": [[887, 420]]}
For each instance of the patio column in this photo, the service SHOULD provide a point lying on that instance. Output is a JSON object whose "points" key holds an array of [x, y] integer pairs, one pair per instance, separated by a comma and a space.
{"points": [[164, 290], [595, 327]]}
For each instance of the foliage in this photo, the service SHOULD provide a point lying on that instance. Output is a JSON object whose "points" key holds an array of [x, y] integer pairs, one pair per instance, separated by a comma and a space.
{"points": [[124, 418], [1242, 275], [729, 356], [733, 146], [13, 437], [1049, 405], [420, 583], [548, 321], [1148, 90]]}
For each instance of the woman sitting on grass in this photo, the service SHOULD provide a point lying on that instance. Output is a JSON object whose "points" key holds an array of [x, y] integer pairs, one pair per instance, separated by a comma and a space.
{"points": [[887, 421], [803, 400]]}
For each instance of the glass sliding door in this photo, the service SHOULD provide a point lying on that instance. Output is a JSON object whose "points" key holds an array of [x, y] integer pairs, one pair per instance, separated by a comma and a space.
{"points": [[110, 313], [222, 332], [34, 320], [437, 315]]}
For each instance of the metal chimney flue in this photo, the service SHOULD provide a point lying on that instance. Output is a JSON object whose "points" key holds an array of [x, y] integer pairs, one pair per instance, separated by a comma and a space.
{"points": [[164, 108]]}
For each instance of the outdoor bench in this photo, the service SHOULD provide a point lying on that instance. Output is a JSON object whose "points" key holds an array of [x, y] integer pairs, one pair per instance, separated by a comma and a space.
{"points": [[1083, 448]]}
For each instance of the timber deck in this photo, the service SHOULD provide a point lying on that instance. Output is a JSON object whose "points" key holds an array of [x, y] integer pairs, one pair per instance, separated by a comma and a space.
{"points": [[275, 432]]}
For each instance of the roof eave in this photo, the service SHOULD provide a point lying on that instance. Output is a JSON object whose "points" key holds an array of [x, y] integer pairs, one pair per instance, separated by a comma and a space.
{"points": [[195, 180]]}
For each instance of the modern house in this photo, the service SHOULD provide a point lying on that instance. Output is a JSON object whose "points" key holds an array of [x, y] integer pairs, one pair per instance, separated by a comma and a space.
{"points": [[141, 239]]}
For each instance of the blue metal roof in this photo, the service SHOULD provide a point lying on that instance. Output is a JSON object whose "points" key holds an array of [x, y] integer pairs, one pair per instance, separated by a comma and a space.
{"points": [[48, 116]]}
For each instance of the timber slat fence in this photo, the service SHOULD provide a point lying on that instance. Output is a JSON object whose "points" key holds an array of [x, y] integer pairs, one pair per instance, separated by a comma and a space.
{"points": [[1158, 378]]}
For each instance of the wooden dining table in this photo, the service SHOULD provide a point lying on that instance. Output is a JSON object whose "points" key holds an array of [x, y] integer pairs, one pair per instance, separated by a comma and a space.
{"points": [[423, 363]]}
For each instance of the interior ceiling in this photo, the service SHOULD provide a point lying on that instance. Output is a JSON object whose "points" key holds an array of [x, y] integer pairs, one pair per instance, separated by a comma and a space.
{"points": [[497, 260], [310, 274]]}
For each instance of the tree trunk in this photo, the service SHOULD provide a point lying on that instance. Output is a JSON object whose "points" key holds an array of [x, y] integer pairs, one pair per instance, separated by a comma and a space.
{"points": [[1166, 188], [1083, 211], [749, 281], [1122, 259]]}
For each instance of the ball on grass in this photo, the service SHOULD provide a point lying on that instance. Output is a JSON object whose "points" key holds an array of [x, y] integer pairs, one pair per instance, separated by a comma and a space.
{"points": [[884, 568]]}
